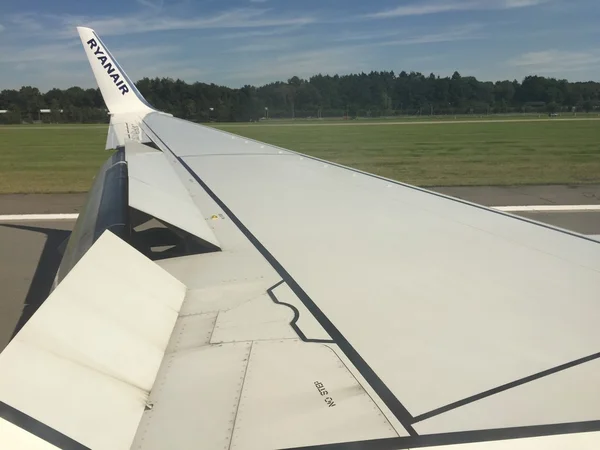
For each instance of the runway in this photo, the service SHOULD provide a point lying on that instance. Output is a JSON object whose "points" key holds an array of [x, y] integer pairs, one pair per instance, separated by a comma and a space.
{"points": [[563, 199], [30, 248]]}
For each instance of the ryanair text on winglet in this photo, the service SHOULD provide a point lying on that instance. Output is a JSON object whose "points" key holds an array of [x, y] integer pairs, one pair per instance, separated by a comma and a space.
{"points": [[108, 66]]}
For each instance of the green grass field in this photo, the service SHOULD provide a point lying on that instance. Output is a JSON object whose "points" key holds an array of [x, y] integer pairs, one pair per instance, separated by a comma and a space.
{"points": [[64, 158], [435, 118], [35, 159]]}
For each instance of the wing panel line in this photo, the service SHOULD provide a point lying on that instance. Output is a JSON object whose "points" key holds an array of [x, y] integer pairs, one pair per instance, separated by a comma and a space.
{"points": [[504, 387], [241, 392], [386, 395], [294, 322], [39, 429], [461, 437]]}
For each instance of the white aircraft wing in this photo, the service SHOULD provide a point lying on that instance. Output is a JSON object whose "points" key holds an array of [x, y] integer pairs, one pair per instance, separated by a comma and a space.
{"points": [[223, 293]]}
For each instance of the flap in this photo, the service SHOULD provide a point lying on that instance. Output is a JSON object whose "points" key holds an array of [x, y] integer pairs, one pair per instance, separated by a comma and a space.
{"points": [[85, 363]]}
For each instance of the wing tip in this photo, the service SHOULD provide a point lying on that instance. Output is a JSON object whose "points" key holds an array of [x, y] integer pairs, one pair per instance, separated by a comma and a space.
{"points": [[84, 29], [118, 90]]}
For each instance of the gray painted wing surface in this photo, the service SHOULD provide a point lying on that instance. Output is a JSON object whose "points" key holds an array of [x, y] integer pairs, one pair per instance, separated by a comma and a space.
{"points": [[446, 303]]}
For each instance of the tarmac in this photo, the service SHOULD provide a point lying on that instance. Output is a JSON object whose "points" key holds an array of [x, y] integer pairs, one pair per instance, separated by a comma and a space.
{"points": [[29, 260], [525, 195], [584, 222], [30, 256], [41, 203]]}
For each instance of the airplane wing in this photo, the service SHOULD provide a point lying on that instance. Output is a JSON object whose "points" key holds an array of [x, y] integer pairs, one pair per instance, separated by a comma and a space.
{"points": [[223, 293]]}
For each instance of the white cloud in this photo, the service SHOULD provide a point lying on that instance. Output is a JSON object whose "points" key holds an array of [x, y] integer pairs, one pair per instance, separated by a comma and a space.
{"points": [[442, 6], [257, 44], [355, 56], [422, 9], [262, 46], [465, 32], [366, 36], [149, 20], [58, 59], [61, 52], [25, 22], [522, 3], [554, 61], [301, 63], [235, 18], [67, 51], [415, 36], [278, 31], [173, 69], [64, 65], [151, 4]]}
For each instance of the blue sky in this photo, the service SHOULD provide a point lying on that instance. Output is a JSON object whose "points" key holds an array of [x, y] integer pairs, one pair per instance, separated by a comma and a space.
{"points": [[234, 42]]}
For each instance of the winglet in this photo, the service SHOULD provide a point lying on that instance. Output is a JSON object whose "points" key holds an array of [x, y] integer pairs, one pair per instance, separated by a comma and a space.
{"points": [[119, 92]]}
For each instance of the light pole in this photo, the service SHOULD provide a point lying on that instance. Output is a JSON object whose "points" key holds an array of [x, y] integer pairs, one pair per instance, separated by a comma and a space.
{"points": [[267, 112]]}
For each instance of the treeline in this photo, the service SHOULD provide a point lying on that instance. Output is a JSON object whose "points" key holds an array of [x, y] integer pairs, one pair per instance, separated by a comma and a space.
{"points": [[73, 105], [359, 95]]}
